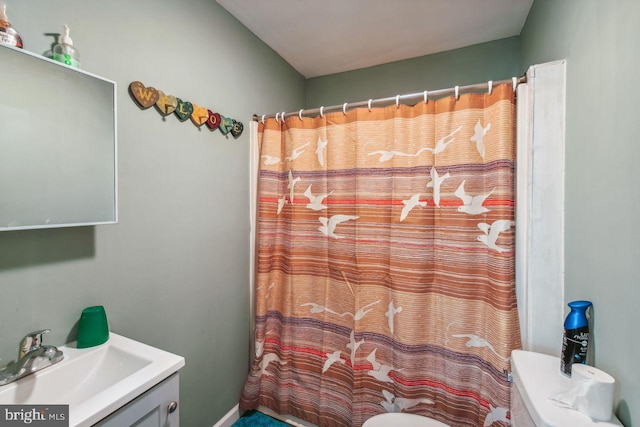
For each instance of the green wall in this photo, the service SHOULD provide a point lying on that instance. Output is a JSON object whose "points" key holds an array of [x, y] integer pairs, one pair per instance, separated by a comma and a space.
{"points": [[495, 60], [174, 272], [599, 39]]}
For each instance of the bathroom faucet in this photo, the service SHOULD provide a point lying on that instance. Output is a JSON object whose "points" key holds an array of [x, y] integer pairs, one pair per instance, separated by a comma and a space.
{"points": [[32, 357]]}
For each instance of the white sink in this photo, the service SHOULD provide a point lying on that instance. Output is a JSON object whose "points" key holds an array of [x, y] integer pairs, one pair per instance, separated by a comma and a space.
{"points": [[95, 381]]}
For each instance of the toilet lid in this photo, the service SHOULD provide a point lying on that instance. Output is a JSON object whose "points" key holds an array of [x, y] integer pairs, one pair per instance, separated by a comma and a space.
{"points": [[401, 420]]}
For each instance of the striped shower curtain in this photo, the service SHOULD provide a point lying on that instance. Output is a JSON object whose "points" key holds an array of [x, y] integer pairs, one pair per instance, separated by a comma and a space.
{"points": [[385, 263]]}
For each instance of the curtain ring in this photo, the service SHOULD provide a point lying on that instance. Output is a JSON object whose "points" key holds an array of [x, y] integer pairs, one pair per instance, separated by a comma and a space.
{"points": [[515, 83], [397, 101], [344, 108], [300, 113], [457, 91], [369, 105], [490, 87], [425, 96], [321, 111], [282, 116], [263, 119], [277, 117]]}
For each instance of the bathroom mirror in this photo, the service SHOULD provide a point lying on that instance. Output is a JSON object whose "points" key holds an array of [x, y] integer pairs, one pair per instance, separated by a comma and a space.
{"points": [[58, 147]]}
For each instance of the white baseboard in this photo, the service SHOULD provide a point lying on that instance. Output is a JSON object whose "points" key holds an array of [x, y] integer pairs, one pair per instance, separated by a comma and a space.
{"points": [[230, 417]]}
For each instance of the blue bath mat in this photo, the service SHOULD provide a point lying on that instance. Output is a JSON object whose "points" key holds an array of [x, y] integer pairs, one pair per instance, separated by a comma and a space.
{"points": [[257, 419]]}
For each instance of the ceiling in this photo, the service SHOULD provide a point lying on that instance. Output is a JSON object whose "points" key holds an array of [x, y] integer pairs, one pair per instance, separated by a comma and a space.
{"points": [[320, 37]]}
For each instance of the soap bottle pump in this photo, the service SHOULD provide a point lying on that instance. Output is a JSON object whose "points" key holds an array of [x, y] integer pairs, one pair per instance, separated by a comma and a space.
{"points": [[575, 341], [65, 52], [8, 34]]}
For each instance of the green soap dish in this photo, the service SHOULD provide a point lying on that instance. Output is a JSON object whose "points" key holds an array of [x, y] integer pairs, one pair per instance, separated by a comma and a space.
{"points": [[93, 328]]}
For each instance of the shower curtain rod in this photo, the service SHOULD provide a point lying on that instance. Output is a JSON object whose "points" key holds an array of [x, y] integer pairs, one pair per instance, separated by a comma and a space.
{"points": [[426, 95]]}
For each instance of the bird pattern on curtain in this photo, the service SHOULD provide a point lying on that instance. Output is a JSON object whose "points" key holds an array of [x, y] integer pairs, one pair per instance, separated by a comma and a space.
{"points": [[385, 263]]}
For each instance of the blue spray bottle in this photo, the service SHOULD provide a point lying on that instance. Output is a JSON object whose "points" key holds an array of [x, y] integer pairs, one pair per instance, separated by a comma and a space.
{"points": [[575, 341]]}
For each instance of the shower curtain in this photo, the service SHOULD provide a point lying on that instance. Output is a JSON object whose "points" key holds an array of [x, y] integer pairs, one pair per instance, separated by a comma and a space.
{"points": [[385, 263]]}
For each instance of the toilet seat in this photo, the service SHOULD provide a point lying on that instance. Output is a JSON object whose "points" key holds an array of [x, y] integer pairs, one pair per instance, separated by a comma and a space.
{"points": [[397, 419]]}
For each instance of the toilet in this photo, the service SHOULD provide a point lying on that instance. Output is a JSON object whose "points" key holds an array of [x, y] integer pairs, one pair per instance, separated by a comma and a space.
{"points": [[536, 376], [400, 419]]}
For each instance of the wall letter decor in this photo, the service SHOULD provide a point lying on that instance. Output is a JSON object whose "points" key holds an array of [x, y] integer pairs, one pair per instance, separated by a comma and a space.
{"points": [[166, 104]]}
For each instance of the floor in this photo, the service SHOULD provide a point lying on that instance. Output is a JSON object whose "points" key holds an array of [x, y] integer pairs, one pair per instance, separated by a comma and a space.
{"points": [[257, 419]]}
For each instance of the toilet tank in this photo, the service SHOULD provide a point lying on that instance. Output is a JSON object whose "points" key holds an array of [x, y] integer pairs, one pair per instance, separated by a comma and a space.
{"points": [[536, 376]]}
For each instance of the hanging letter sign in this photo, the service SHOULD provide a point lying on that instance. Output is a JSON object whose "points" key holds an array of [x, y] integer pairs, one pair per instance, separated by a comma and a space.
{"points": [[146, 96], [166, 104]]}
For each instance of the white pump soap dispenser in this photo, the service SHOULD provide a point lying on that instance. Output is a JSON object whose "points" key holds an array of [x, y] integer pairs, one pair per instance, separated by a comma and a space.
{"points": [[65, 52]]}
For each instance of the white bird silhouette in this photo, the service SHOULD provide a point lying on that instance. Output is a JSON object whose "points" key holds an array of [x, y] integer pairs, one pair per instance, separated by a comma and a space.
{"points": [[495, 415], [444, 142], [353, 345], [421, 150], [436, 182], [491, 233], [391, 312], [471, 205], [259, 348], [281, 202], [292, 183], [409, 204], [315, 202], [270, 160], [260, 345], [476, 341], [271, 286], [388, 155], [331, 359], [271, 357], [268, 289], [329, 224], [296, 152], [379, 371], [398, 404], [478, 136], [320, 150], [361, 312], [316, 308]]}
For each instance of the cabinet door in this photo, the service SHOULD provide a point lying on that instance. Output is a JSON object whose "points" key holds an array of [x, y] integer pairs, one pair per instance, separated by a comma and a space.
{"points": [[150, 409]]}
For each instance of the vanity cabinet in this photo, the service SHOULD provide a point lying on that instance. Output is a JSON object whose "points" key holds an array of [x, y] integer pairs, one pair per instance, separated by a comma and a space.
{"points": [[157, 407]]}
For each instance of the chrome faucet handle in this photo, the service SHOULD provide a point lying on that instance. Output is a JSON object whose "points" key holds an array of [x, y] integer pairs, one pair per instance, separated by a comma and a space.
{"points": [[33, 356], [31, 341]]}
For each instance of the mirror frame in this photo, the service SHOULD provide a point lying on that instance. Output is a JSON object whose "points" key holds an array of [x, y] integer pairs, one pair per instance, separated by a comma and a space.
{"points": [[103, 216]]}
